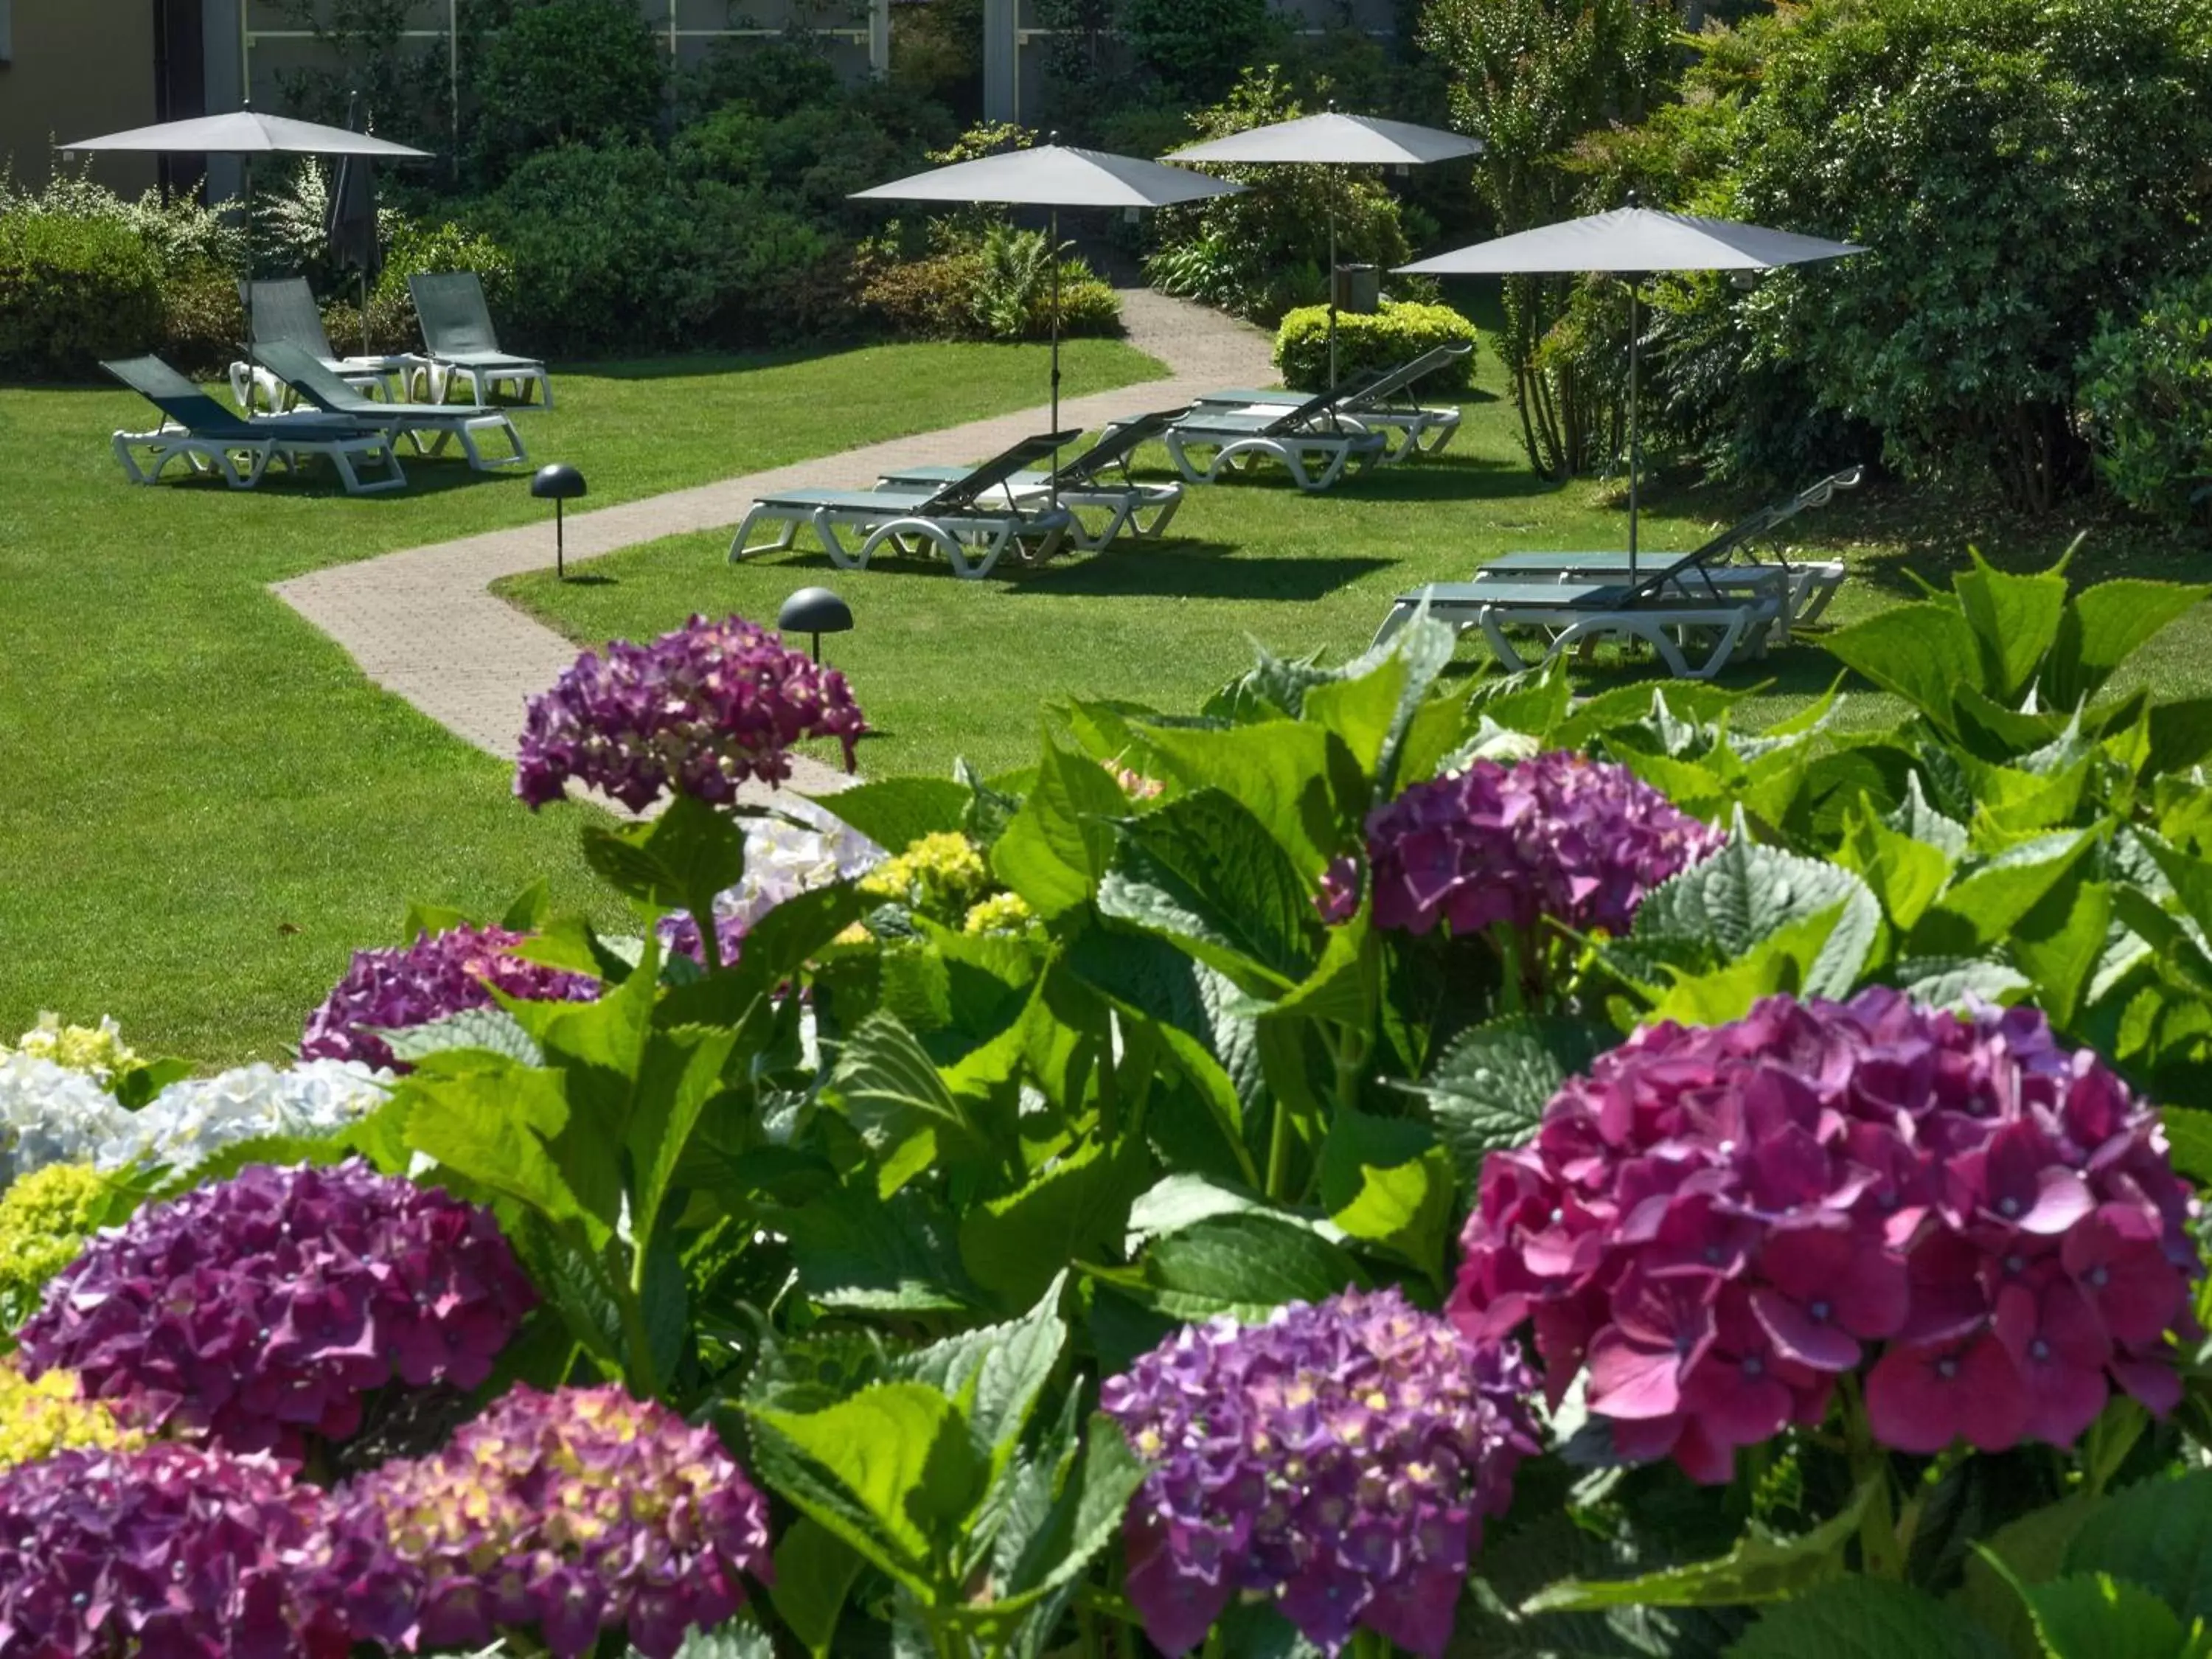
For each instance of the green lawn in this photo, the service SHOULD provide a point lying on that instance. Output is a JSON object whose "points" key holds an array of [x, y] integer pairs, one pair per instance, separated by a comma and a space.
{"points": [[944, 667], [207, 805]]}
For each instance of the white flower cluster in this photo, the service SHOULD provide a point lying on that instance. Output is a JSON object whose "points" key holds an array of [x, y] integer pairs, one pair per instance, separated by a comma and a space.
{"points": [[805, 847], [51, 1114]]}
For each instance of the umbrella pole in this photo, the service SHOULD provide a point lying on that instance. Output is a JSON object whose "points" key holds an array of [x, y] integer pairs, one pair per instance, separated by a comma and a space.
{"points": [[252, 364], [1053, 250], [1635, 456], [1332, 287]]}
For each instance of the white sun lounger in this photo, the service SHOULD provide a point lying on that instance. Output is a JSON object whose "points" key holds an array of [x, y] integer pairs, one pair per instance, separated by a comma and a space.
{"points": [[1311, 439], [206, 437], [1387, 405]]}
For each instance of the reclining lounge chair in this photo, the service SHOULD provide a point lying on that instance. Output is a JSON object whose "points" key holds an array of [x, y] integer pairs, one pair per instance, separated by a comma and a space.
{"points": [[444, 422], [208, 436], [459, 344], [1388, 405], [954, 517], [1095, 482], [1811, 584], [1310, 431], [283, 312]]}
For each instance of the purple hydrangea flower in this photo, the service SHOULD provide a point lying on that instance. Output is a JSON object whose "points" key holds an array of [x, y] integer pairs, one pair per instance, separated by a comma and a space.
{"points": [[698, 711], [569, 1513], [1557, 835], [259, 1311], [176, 1550], [1341, 1458], [439, 974], [1719, 1222], [1338, 901]]}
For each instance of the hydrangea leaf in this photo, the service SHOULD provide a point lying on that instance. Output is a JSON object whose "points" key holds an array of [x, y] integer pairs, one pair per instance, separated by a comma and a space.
{"points": [[1012, 1246], [1904, 873], [1789, 960], [891, 1092], [1245, 1266], [2095, 1616], [1981, 909], [1912, 651], [682, 1072], [1866, 1619], [679, 860], [2061, 942], [1387, 1182], [890, 1471], [1717, 912], [491, 1124], [814, 1573], [1297, 781], [1954, 982], [528, 910], [1489, 1088], [1760, 1568], [899, 812], [1203, 872], [1371, 705], [854, 1249], [1083, 1520], [1005, 1365], [738, 1639], [2102, 627], [1183, 1199], [2014, 619], [2158, 1534], [2029, 1550], [492, 1030], [2189, 1132], [1057, 846]]}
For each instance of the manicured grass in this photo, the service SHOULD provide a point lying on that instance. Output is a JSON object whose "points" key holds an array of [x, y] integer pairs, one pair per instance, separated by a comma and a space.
{"points": [[945, 667], [207, 805]]}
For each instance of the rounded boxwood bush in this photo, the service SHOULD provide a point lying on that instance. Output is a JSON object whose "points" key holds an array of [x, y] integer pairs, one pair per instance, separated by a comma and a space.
{"points": [[1403, 329], [73, 291]]}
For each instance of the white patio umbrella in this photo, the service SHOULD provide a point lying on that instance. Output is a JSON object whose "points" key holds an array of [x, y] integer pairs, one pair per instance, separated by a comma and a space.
{"points": [[1631, 242], [1053, 176], [247, 133], [1334, 140]]}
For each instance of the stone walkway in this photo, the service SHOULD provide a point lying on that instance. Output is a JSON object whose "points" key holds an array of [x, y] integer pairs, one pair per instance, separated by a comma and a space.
{"points": [[422, 624]]}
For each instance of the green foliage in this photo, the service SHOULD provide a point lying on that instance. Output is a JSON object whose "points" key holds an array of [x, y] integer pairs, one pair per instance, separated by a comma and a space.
{"points": [[1402, 330], [2147, 387], [1531, 78], [202, 320], [1957, 337], [1266, 250], [1193, 46], [72, 292], [1000, 289], [563, 71]]}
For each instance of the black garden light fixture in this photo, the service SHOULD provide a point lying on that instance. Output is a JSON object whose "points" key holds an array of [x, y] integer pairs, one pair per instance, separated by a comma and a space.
{"points": [[815, 610], [557, 482]]}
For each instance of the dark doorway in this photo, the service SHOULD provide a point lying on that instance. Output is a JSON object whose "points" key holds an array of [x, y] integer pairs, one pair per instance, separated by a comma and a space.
{"points": [[179, 87]]}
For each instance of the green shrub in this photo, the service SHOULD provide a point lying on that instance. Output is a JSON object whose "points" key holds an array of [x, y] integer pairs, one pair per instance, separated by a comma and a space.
{"points": [[1262, 252], [73, 291], [1002, 290], [564, 71], [392, 325], [413, 247], [1403, 329], [2147, 390], [179, 233], [1194, 47], [202, 324]]}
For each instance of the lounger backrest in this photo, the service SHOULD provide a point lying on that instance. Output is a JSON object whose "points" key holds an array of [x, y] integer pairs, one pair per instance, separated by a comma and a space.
{"points": [[450, 304], [306, 374], [1117, 445], [1322, 403], [284, 310], [1716, 550], [962, 492], [173, 395], [1406, 375]]}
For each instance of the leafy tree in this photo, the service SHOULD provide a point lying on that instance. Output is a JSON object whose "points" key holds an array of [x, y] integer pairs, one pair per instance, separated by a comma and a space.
{"points": [[564, 71], [1531, 77]]}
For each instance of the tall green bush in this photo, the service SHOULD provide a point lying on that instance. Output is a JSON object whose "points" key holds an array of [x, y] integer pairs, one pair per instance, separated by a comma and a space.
{"points": [[1400, 331], [564, 71], [2147, 390], [1194, 47], [2012, 167], [72, 292], [1266, 250]]}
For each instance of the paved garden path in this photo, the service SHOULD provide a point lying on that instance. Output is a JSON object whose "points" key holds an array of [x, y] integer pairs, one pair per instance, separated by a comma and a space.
{"points": [[422, 622]]}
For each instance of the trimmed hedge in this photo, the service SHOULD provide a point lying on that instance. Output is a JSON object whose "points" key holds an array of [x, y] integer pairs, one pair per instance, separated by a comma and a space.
{"points": [[73, 291], [2147, 390], [1400, 330]]}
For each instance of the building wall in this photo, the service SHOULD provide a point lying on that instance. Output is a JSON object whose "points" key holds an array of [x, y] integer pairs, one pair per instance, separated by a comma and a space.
{"points": [[77, 68]]}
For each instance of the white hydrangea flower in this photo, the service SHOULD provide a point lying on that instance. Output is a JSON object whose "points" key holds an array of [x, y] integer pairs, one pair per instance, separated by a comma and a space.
{"points": [[51, 1114], [806, 848], [188, 1122], [97, 1050]]}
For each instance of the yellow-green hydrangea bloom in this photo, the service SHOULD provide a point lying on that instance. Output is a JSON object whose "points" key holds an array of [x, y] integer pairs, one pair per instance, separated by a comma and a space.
{"points": [[37, 1420], [939, 875], [1001, 913], [97, 1050], [45, 1219]]}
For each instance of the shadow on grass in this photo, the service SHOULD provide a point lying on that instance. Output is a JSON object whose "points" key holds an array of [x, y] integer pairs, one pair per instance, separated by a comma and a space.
{"points": [[693, 364], [1193, 570]]}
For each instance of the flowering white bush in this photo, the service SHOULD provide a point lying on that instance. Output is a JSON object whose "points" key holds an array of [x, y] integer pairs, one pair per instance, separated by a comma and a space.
{"points": [[50, 1114]]}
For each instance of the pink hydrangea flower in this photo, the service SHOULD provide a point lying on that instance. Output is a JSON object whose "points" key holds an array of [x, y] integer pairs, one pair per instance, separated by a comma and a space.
{"points": [[256, 1311], [698, 711], [1715, 1224], [439, 974]]}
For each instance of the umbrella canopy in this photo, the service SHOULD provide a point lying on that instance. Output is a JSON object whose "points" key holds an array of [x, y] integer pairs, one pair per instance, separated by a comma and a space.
{"points": [[1335, 140], [1054, 176], [1634, 240], [1332, 140], [248, 133], [1630, 242]]}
